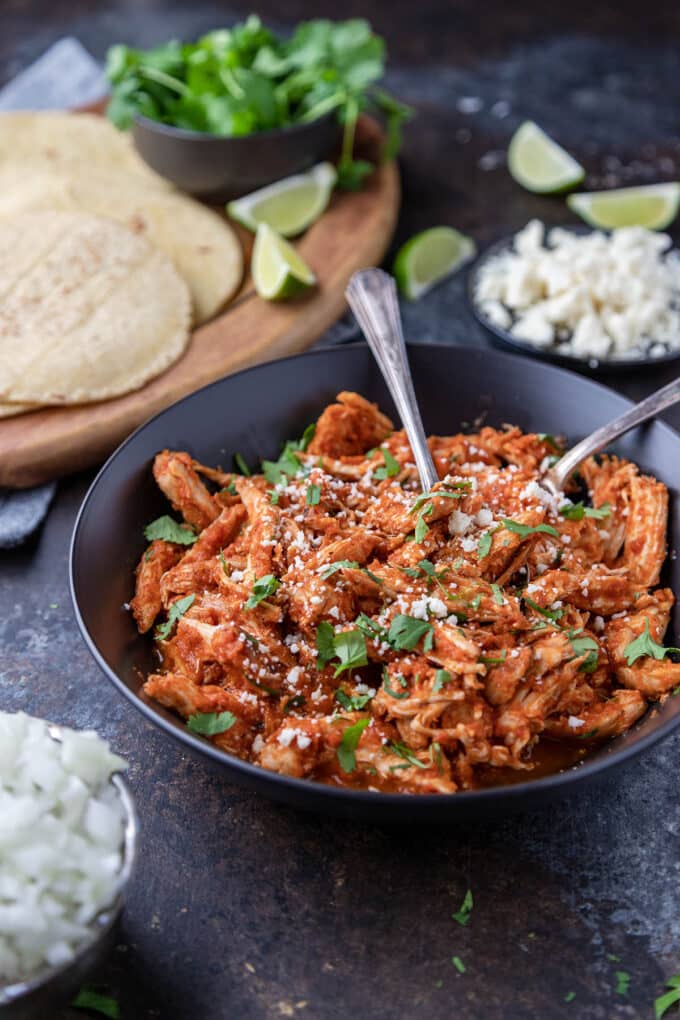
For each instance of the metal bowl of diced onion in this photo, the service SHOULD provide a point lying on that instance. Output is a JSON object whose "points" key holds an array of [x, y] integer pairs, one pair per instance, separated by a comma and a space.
{"points": [[532, 327], [42, 991]]}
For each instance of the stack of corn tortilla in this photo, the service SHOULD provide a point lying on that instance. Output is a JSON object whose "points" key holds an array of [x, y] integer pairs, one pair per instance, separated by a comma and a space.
{"points": [[104, 266]]}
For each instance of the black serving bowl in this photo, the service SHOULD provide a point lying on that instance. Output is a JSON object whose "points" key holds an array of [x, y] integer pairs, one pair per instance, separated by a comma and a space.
{"points": [[253, 412], [592, 366], [216, 168]]}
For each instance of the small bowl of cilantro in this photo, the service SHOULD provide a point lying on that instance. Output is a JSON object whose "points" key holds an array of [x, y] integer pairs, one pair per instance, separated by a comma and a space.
{"points": [[242, 107]]}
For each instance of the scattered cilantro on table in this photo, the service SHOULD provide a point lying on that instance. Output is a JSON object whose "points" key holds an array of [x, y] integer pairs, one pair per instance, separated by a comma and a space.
{"points": [[462, 915], [97, 1002], [664, 1002]]}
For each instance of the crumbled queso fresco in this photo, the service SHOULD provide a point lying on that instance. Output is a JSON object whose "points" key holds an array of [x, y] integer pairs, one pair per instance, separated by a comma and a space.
{"points": [[61, 835], [590, 295]]}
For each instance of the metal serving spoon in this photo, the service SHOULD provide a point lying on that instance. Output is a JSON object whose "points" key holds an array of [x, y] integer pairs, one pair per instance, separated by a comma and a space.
{"points": [[372, 296]]}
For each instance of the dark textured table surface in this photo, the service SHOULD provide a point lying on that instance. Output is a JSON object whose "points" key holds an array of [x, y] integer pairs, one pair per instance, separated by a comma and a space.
{"points": [[242, 909]]}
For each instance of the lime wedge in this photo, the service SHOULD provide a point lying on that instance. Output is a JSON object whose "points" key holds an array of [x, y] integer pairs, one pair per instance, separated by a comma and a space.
{"points": [[654, 206], [429, 257], [539, 164], [278, 271], [288, 206]]}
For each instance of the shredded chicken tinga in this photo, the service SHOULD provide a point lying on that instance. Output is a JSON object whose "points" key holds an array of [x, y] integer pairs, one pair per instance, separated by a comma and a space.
{"points": [[327, 619]]}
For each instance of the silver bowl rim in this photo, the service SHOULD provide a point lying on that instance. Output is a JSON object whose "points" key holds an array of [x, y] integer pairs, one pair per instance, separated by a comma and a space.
{"points": [[102, 923]]}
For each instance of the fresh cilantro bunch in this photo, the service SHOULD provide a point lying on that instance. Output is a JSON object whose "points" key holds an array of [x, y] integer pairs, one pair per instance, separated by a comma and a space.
{"points": [[246, 79]]}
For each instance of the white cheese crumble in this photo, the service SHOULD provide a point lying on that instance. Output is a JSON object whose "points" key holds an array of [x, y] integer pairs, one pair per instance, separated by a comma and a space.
{"points": [[61, 835], [595, 295], [459, 522]]}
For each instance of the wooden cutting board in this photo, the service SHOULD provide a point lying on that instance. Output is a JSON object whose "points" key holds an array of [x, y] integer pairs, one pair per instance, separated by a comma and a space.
{"points": [[354, 232]]}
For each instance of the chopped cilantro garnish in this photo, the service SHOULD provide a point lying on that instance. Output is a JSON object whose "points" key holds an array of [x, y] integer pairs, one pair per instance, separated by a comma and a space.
{"points": [[462, 915], [229, 489], [613, 958], [224, 563], [668, 999], [524, 530], [306, 437], [177, 610], [405, 632], [97, 1002], [441, 677], [428, 571], [404, 752], [545, 437], [581, 645], [421, 528], [273, 497], [350, 649], [570, 996], [550, 614], [354, 702], [167, 530], [458, 964], [287, 466], [370, 629], [210, 723], [338, 565], [241, 465], [313, 495], [577, 511], [325, 643], [491, 661], [399, 695], [251, 639], [485, 543], [475, 602], [622, 982], [390, 468], [497, 594], [646, 645], [262, 589], [348, 745]]}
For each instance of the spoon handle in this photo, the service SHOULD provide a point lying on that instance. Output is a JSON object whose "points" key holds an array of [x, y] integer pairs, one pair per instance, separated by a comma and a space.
{"points": [[646, 409], [372, 296]]}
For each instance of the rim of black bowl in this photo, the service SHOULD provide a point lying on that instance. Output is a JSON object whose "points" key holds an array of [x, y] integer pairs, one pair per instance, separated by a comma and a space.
{"points": [[187, 134], [573, 776], [592, 366]]}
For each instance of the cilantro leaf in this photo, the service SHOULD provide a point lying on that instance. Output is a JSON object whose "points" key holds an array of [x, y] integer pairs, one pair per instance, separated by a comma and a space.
{"points": [[458, 964], [177, 610], [550, 614], [490, 660], [325, 643], [485, 543], [577, 511], [646, 645], [241, 465], [210, 723], [262, 589], [332, 568], [581, 645], [90, 998], [664, 1002], [350, 649], [229, 489], [313, 495], [168, 530], [348, 745], [288, 465], [391, 467], [353, 702], [406, 631], [399, 695], [405, 752], [297, 701], [622, 982], [441, 677], [421, 528], [570, 996], [462, 915], [306, 437], [524, 530], [498, 594]]}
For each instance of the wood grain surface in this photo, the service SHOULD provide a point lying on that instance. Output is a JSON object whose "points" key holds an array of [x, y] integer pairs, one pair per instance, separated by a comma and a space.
{"points": [[354, 232]]}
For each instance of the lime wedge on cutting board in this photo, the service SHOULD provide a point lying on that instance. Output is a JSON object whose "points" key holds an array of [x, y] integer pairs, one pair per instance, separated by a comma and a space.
{"points": [[654, 206], [539, 164], [278, 271], [429, 257], [288, 206]]}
